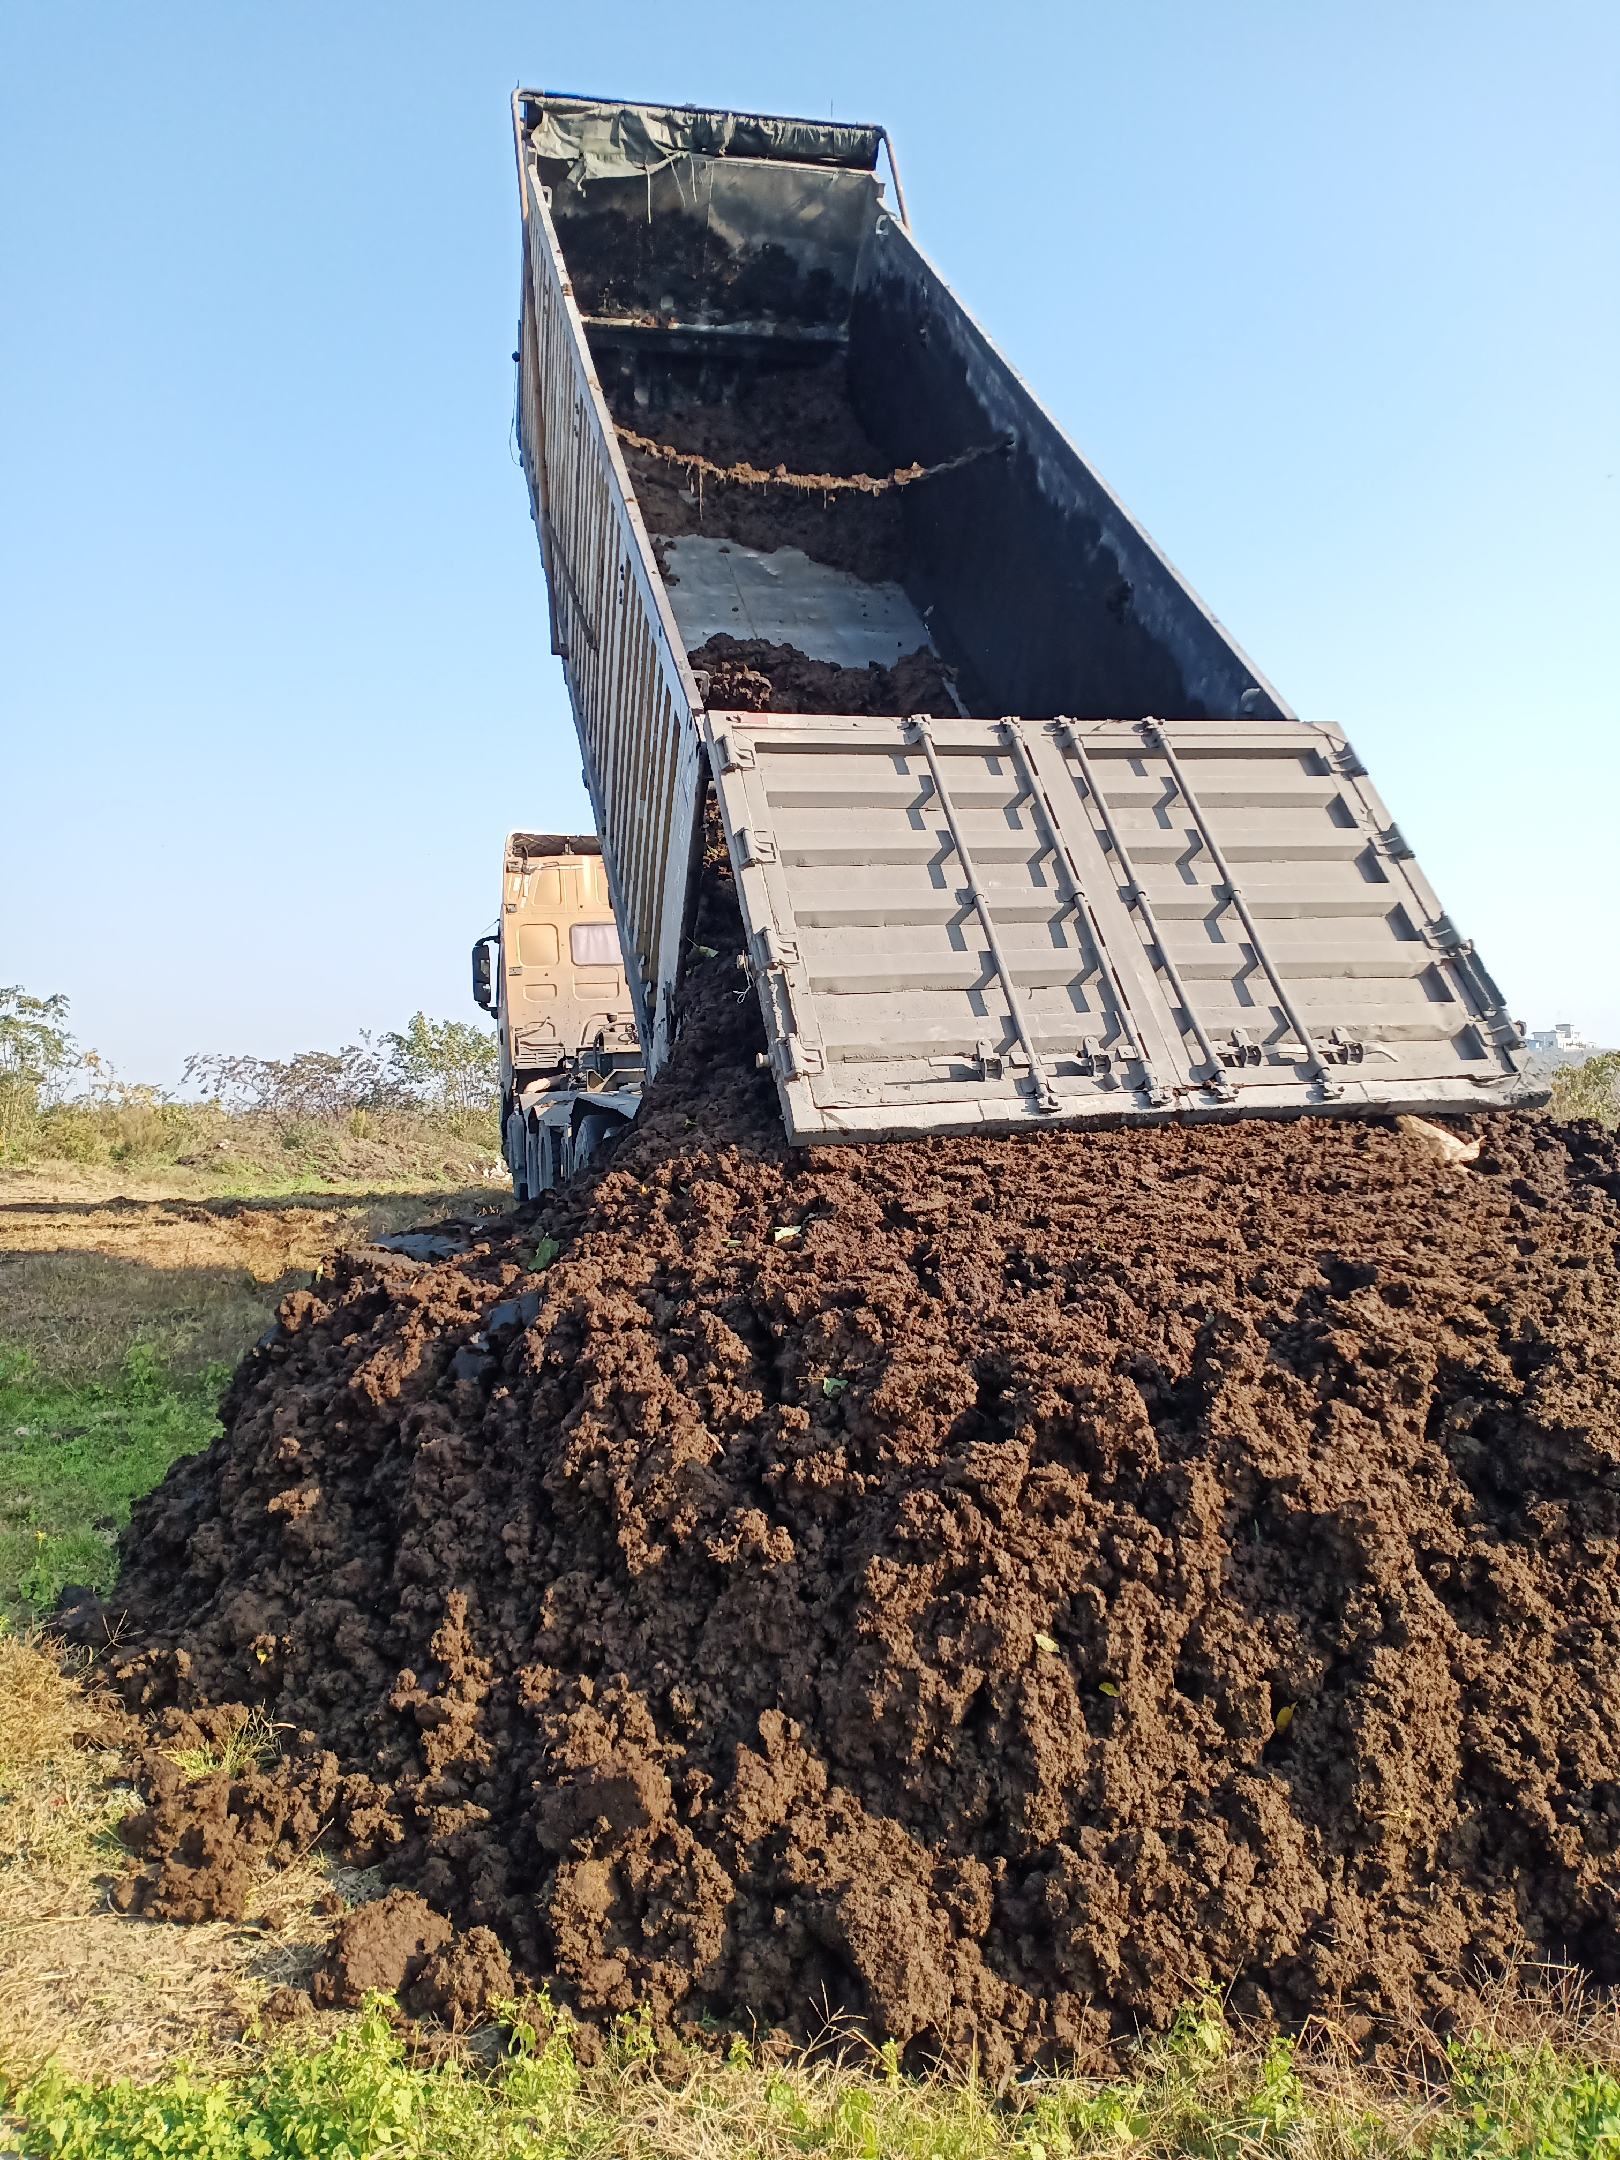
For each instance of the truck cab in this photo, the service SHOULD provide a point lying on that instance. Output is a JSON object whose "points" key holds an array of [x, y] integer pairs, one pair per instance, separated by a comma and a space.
{"points": [[552, 976]]}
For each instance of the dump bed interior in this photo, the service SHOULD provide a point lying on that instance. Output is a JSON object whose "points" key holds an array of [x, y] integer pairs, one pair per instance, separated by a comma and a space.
{"points": [[776, 312], [1020, 832]]}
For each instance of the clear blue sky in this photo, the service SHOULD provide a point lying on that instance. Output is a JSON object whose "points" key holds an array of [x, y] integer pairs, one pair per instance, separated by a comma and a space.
{"points": [[1327, 290]]}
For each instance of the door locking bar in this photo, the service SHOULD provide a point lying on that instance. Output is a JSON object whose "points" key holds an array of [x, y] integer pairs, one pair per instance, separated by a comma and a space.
{"points": [[1136, 896], [919, 731], [1092, 1059], [1231, 893]]}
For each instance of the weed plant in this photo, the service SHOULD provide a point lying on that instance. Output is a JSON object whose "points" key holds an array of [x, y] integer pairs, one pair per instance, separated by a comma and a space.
{"points": [[369, 2092]]}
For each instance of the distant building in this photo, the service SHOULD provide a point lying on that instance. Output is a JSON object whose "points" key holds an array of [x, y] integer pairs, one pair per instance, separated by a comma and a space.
{"points": [[1563, 1039]]}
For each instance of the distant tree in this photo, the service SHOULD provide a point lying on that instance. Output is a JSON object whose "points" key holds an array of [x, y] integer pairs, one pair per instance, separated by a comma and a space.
{"points": [[309, 1084], [35, 1044], [452, 1063], [442, 1064], [37, 1058], [1590, 1090]]}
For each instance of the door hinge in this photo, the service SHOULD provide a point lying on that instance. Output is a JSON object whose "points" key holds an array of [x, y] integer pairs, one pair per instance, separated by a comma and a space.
{"points": [[734, 756], [772, 950]]}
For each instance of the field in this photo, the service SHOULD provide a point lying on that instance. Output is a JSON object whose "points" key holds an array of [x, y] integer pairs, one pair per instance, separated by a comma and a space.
{"points": [[125, 1296]]}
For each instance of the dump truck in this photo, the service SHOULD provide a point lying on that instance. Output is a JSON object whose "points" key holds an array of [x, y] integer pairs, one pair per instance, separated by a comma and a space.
{"points": [[551, 974], [1096, 868]]}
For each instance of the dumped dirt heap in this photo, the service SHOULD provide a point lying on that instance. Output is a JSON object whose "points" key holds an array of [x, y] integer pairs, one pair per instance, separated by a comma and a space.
{"points": [[981, 1587]]}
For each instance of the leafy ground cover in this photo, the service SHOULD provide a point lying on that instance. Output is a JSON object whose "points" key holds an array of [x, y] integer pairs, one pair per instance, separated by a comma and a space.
{"points": [[1203, 2090]]}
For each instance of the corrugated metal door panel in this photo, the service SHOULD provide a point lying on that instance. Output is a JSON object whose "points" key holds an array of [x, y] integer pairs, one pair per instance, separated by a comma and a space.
{"points": [[986, 923]]}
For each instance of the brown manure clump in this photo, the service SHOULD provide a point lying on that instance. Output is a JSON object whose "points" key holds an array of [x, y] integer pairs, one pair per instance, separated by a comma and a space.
{"points": [[753, 675], [981, 1588]]}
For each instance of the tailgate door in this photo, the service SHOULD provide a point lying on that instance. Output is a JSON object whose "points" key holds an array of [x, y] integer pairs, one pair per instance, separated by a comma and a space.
{"points": [[982, 924]]}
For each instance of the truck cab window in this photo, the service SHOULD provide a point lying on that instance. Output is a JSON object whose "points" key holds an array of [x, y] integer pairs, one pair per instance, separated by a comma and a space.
{"points": [[594, 944]]}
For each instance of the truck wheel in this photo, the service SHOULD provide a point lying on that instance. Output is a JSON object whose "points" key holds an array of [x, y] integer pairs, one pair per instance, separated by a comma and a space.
{"points": [[537, 1159], [593, 1129], [515, 1151]]}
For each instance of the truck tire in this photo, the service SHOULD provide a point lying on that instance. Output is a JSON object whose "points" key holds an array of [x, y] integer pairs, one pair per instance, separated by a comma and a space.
{"points": [[515, 1151], [593, 1128], [538, 1165]]}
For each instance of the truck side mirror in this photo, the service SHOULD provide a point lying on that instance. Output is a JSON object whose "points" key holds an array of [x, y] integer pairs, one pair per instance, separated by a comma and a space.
{"points": [[483, 984]]}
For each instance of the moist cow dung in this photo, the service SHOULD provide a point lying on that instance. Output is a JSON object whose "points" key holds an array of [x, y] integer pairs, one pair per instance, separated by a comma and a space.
{"points": [[638, 270], [981, 1589], [753, 675]]}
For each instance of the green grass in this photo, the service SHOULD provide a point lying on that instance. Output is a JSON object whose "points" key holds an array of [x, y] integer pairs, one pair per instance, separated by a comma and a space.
{"points": [[1538, 2103], [1199, 2092], [253, 1742], [73, 1456]]}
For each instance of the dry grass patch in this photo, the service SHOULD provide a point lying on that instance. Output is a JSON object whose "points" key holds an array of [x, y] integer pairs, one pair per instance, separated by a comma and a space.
{"points": [[103, 1995], [75, 1311], [85, 1272]]}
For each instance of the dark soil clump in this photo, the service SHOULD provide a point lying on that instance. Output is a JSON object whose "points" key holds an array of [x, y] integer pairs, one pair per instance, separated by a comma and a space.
{"points": [[385, 1946], [985, 1587], [640, 270], [752, 675], [464, 1982]]}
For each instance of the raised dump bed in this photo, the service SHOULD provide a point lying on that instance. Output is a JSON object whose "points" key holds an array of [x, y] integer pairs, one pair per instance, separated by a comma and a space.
{"points": [[1020, 833]]}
